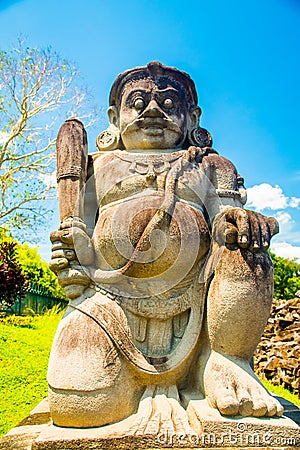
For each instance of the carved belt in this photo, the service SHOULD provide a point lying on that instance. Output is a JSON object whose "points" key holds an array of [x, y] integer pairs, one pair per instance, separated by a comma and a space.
{"points": [[149, 307], [114, 330]]}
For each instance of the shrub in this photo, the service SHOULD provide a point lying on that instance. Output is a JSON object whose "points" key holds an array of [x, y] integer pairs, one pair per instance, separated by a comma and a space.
{"points": [[12, 280]]}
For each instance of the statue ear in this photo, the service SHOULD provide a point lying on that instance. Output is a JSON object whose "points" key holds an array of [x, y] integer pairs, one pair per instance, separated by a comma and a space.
{"points": [[109, 139], [113, 115], [194, 113], [197, 136]]}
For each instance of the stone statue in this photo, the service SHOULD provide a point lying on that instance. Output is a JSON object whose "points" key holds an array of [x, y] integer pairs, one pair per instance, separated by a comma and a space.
{"points": [[169, 278]]}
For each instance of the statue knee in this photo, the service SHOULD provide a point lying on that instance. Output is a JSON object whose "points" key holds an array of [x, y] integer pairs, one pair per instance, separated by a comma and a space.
{"points": [[87, 376], [79, 409]]}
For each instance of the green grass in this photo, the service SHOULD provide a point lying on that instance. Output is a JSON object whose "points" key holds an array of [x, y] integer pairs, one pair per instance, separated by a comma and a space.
{"points": [[25, 344]]}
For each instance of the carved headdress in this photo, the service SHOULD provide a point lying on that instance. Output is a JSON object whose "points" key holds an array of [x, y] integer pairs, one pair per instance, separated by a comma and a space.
{"points": [[110, 140], [154, 70]]}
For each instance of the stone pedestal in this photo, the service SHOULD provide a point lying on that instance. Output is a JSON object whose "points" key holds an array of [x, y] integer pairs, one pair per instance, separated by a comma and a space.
{"points": [[212, 430]]}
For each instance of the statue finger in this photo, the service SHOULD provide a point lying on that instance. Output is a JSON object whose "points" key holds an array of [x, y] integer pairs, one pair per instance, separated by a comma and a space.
{"points": [[164, 406], [265, 234], [239, 217], [58, 264], [255, 240], [73, 222], [179, 416], [67, 223], [231, 234], [67, 236], [180, 419], [73, 275], [70, 235], [69, 254], [144, 413], [62, 235], [58, 245], [273, 226], [55, 236]]}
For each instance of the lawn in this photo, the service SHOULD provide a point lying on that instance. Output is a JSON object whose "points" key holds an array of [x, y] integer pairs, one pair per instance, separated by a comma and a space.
{"points": [[25, 344]]}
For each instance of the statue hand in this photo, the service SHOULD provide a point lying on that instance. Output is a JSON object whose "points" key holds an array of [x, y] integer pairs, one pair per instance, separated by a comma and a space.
{"points": [[71, 249], [70, 245], [245, 229]]}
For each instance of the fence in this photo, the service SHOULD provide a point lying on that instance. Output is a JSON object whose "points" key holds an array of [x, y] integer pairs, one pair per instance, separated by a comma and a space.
{"points": [[35, 301]]}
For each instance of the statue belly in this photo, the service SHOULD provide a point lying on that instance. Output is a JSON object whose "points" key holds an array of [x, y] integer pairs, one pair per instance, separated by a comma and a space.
{"points": [[182, 238]]}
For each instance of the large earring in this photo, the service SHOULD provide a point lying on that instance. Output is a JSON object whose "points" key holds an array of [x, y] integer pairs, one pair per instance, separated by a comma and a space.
{"points": [[200, 137], [108, 139]]}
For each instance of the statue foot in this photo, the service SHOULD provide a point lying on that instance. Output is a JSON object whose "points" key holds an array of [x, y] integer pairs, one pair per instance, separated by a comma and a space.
{"points": [[160, 413], [232, 387]]}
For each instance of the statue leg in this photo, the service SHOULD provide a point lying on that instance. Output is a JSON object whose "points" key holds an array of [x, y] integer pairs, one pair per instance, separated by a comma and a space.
{"points": [[90, 383], [238, 307]]}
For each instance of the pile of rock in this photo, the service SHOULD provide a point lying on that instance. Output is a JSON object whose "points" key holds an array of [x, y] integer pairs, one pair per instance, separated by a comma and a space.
{"points": [[277, 357]]}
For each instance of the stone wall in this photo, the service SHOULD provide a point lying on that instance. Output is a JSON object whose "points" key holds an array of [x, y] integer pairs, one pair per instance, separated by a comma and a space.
{"points": [[278, 353]]}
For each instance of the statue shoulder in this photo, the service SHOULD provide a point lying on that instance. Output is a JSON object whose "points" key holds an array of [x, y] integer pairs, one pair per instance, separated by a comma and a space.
{"points": [[224, 176], [100, 159], [212, 159]]}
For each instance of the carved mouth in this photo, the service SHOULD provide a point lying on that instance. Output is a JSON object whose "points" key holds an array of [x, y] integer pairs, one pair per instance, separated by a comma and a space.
{"points": [[153, 130], [152, 126], [153, 122]]}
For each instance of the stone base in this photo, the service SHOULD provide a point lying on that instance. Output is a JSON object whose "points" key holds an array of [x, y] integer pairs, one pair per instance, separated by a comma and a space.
{"points": [[23, 436], [245, 432], [211, 431]]}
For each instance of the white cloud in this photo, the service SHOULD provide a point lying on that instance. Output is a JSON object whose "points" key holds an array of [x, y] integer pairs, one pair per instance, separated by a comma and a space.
{"points": [[263, 196], [284, 218], [294, 202], [286, 250]]}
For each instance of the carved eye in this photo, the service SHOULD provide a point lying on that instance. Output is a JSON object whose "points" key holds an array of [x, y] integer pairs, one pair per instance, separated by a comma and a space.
{"points": [[139, 104], [168, 103]]}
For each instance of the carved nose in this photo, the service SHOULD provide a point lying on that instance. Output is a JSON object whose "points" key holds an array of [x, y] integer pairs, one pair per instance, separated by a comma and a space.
{"points": [[153, 110]]}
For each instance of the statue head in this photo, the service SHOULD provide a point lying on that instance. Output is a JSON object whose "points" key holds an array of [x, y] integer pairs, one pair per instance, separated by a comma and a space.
{"points": [[153, 107]]}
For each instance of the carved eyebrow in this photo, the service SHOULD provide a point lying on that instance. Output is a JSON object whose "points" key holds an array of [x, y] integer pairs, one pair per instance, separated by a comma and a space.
{"points": [[146, 91], [137, 91], [167, 89]]}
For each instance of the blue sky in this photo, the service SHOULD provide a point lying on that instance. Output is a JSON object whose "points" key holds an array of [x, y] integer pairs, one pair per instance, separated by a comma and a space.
{"points": [[243, 57]]}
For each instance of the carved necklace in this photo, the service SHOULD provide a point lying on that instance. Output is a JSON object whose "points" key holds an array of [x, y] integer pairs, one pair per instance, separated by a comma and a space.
{"points": [[149, 164]]}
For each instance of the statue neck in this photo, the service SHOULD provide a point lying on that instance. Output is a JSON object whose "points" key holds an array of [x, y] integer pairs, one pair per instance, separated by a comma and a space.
{"points": [[152, 151]]}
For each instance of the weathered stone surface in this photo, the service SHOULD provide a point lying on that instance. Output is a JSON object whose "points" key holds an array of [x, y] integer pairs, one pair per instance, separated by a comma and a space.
{"points": [[221, 431], [168, 276], [211, 430], [278, 352], [22, 437], [39, 415]]}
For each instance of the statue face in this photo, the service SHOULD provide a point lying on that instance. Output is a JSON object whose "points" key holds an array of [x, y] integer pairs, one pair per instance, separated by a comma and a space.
{"points": [[153, 116]]}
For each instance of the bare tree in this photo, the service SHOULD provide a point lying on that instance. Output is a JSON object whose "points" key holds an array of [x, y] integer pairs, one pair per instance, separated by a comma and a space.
{"points": [[38, 90]]}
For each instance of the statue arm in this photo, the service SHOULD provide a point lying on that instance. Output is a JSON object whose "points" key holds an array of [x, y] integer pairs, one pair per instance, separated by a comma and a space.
{"points": [[71, 244], [226, 186], [232, 224]]}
